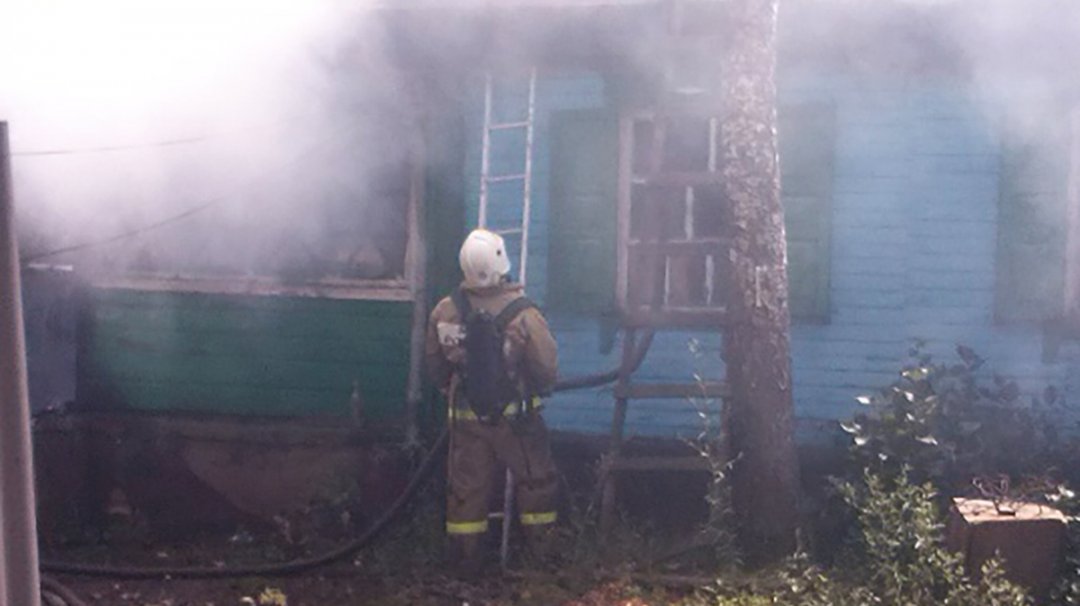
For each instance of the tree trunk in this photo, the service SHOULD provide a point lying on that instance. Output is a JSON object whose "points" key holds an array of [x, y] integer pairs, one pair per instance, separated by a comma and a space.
{"points": [[759, 424]]}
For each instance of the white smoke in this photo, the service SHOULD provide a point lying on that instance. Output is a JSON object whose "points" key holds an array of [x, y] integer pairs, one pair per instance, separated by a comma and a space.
{"points": [[158, 107]]}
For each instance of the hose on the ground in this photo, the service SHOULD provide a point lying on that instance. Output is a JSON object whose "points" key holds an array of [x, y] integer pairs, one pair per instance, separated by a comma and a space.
{"points": [[427, 465], [59, 591]]}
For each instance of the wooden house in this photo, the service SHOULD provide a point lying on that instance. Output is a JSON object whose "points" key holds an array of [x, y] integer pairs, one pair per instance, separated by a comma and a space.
{"points": [[929, 170]]}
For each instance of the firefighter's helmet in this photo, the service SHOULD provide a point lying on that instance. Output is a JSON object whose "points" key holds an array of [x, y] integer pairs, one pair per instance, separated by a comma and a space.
{"points": [[483, 259]]}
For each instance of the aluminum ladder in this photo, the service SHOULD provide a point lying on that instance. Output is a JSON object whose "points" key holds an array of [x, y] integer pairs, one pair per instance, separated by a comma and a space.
{"points": [[521, 231], [524, 177]]}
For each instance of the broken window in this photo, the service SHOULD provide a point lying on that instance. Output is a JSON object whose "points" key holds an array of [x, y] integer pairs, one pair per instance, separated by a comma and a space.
{"points": [[674, 213], [675, 241]]}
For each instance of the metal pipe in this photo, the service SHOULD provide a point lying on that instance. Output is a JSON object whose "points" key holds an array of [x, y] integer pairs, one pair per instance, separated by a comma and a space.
{"points": [[19, 560]]}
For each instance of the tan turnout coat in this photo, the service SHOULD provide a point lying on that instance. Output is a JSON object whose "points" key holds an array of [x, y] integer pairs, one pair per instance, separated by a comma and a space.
{"points": [[476, 447], [530, 350]]}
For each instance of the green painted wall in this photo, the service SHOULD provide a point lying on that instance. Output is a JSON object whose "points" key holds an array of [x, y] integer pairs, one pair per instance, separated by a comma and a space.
{"points": [[260, 355]]}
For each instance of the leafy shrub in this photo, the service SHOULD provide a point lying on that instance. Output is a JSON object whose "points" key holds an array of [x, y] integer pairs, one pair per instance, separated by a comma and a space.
{"points": [[900, 560], [950, 423], [902, 555]]}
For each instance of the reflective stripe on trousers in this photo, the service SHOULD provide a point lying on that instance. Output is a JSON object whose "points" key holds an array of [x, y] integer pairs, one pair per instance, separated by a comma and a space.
{"points": [[539, 518], [511, 409], [478, 452], [467, 527]]}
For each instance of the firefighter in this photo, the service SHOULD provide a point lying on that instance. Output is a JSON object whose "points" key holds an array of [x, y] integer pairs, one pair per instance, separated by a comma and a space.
{"points": [[494, 399]]}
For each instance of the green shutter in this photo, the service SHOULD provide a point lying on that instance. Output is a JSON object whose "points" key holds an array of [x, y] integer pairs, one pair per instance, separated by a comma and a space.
{"points": [[582, 210], [1031, 226], [807, 143]]}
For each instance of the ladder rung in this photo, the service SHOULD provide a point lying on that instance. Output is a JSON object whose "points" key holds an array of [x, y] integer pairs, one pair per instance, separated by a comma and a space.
{"points": [[683, 318], [510, 231], [659, 391], [675, 247], [508, 125], [679, 463], [680, 179], [501, 178]]}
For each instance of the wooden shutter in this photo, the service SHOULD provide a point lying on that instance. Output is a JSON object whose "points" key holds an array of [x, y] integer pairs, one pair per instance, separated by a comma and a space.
{"points": [[1031, 242], [807, 144], [584, 166]]}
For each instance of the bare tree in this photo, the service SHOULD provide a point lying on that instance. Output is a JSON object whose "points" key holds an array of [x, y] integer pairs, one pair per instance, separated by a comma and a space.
{"points": [[759, 423]]}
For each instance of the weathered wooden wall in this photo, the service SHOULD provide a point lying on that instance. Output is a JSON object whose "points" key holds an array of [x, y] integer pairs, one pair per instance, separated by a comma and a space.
{"points": [[261, 355]]}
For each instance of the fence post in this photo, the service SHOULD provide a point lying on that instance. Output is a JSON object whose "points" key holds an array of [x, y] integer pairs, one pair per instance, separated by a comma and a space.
{"points": [[18, 519]]}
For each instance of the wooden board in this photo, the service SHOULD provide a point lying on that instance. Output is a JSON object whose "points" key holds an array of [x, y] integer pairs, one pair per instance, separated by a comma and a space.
{"points": [[241, 355]]}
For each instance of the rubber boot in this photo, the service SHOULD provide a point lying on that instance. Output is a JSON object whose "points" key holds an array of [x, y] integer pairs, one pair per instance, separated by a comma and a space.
{"points": [[540, 548], [466, 557]]}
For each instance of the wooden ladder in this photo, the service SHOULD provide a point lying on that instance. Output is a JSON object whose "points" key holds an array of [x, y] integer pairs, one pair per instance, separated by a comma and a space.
{"points": [[651, 256]]}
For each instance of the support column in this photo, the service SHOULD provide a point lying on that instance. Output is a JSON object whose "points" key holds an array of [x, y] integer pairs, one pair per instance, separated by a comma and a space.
{"points": [[416, 259], [18, 520]]}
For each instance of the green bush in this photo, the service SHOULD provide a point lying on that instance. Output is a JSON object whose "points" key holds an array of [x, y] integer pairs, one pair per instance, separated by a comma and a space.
{"points": [[959, 424], [899, 560], [902, 555], [952, 423]]}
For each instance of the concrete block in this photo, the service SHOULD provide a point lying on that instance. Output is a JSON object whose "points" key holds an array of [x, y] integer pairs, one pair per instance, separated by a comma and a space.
{"points": [[1029, 537]]}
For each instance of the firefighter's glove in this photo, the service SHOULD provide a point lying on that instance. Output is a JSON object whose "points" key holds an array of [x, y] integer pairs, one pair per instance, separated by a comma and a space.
{"points": [[451, 340]]}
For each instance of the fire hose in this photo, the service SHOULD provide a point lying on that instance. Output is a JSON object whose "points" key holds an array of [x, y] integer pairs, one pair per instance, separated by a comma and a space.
{"points": [[55, 592], [427, 465]]}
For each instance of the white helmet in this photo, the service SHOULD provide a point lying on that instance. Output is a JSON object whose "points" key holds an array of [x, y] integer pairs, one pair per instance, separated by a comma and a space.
{"points": [[483, 259]]}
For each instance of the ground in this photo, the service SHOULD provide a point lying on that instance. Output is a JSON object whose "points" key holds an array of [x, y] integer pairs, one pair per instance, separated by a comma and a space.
{"points": [[344, 587], [405, 566]]}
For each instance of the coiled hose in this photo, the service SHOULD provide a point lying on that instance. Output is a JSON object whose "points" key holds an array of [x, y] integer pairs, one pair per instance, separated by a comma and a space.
{"points": [[427, 465]]}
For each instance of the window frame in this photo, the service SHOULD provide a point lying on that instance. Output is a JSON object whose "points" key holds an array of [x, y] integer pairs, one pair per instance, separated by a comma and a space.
{"points": [[628, 178], [406, 288]]}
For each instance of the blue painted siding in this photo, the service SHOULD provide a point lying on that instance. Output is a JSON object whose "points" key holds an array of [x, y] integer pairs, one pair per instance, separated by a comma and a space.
{"points": [[582, 90], [579, 336], [914, 224]]}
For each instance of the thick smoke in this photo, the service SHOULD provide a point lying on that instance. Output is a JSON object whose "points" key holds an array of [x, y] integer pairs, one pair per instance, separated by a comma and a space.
{"points": [[279, 125], [1007, 55], [299, 119]]}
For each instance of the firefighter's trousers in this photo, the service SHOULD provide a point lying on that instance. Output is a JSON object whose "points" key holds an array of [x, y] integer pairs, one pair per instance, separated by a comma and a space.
{"points": [[476, 450]]}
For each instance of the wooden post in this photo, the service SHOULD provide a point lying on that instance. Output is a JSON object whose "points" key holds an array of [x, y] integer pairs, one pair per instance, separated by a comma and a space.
{"points": [[417, 272], [608, 479], [18, 550], [759, 424]]}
